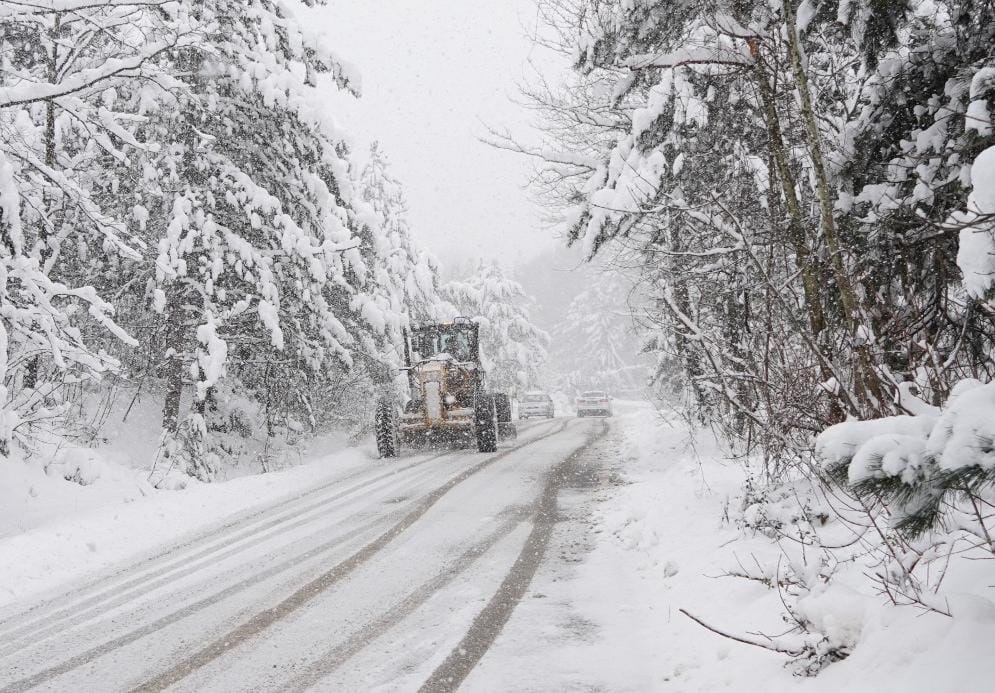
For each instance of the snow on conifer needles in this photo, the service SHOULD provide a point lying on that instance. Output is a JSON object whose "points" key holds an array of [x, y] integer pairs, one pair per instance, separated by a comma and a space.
{"points": [[177, 209], [514, 348], [804, 190], [800, 192]]}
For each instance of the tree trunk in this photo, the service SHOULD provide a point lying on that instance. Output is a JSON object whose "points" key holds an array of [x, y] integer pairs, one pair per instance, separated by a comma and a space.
{"points": [[806, 262], [33, 370], [175, 344], [867, 382], [796, 227]]}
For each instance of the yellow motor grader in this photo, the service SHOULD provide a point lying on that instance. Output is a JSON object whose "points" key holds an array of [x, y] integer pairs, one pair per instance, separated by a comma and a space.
{"points": [[447, 397]]}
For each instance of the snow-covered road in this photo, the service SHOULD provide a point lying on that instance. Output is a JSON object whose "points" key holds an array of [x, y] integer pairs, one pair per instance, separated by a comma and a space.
{"points": [[398, 576]]}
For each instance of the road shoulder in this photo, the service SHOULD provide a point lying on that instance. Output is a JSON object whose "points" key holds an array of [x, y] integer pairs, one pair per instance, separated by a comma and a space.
{"points": [[640, 534]]}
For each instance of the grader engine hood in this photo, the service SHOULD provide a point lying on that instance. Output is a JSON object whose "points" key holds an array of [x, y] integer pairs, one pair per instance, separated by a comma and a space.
{"points": [[431, 378], [442, 394]]}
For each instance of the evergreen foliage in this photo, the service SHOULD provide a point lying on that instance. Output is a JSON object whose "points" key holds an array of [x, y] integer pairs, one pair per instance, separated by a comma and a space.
{"points": [[595, 343], [513, 349], [794, 177], [177, 209], [806, 188]]}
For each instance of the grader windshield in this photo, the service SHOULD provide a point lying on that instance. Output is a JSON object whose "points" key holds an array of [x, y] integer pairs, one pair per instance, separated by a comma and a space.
{"points": [[458, 340]]}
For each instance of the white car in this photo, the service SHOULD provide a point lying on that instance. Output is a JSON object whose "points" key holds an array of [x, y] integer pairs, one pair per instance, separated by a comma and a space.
{"points": [[536, 404], [594, 403]]}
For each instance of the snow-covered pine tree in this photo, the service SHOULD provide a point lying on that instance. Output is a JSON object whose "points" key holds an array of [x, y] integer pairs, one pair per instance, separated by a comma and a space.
{"points": [[594, 346], [207, 195], [405, 277], [37, 331], [512, 348], [907, 139], [246, 207], [689, 135], [903, 141], [62, 132], [672, 165], [399, 285]]}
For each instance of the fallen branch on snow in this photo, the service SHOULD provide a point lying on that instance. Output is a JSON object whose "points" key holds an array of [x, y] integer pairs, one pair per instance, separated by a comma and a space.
{"points": [[746, 641]]}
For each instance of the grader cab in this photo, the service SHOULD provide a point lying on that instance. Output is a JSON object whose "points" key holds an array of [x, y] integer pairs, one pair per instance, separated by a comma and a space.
{"points": [[447, 400]]}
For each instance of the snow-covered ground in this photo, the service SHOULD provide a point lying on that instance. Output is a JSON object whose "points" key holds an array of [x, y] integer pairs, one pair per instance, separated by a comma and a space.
{"points": [[648, 524], [54, 531], [656, 532], [368, 580], [641, 535], [72, 509]]}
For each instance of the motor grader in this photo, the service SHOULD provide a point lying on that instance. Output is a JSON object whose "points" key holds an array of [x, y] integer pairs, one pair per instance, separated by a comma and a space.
{"points": [[447, 400]]}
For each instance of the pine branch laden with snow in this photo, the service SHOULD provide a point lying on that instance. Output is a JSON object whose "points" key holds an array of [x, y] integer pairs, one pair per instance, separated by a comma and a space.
{"points": [[976, 251], [512, 349], [921, 467], [36, 315], [802, 188], [173, 158]]}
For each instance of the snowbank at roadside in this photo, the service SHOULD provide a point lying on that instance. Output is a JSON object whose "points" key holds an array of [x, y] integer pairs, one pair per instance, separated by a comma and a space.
{"points": [[55, 531], [668, 539], [663, 544], [77, 508]]}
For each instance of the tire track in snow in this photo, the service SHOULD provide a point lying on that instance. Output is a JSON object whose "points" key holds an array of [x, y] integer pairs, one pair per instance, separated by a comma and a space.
{"points": [[269, 616], [311, 590], [37, 628], [96, 607], [488, 623], [176, 616], [167, 557], [360, 639]]}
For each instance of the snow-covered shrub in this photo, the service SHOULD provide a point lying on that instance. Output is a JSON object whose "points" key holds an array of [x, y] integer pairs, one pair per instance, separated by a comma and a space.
{"points": [[768, 509], [828, 617], [824, 619], [81, 467], [915, 464], [892, 507]]}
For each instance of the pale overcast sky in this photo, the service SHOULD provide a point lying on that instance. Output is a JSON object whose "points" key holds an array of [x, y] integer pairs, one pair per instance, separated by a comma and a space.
{"points": [[433, 70]]}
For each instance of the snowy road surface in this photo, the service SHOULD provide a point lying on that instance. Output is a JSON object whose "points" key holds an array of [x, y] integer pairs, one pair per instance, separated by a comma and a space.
{"points": [[395, 577]]}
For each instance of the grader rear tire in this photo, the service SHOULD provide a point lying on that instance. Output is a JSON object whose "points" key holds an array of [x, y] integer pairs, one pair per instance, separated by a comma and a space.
{"points": [[503, 404], [485, 423], [507, 430], [386, 429]]}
